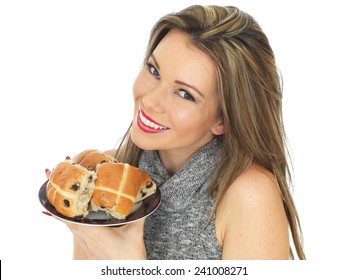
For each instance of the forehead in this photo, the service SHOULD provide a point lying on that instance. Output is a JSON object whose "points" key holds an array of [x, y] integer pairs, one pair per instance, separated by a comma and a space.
{"points": [[179, 57]]}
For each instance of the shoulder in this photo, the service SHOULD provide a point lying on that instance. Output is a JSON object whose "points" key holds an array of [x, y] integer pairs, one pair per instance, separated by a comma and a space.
{"points": [[253, 185], [251, 222]]}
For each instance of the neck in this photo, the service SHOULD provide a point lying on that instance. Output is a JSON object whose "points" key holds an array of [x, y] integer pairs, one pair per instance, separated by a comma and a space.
{"points": [[174, 162], [175, 159]]}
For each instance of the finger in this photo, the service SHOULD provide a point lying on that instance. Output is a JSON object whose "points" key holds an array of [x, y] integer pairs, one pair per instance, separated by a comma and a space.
{"points": [[46, 213], [48, 173]]}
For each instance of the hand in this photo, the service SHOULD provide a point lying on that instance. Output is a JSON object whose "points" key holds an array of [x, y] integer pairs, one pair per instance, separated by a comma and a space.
{"points": [[109, 243], [106, 243]]}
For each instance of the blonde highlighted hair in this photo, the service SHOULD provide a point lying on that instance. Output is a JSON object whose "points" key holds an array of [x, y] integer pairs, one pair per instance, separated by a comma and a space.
{"points": [[249, 92]]}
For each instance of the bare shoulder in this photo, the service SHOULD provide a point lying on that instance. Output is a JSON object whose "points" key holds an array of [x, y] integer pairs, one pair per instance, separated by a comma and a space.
{"points": [[254, 184], [251, 221]]}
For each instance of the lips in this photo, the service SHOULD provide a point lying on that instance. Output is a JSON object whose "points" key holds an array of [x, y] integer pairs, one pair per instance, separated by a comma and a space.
{"points": [[147, 124]]}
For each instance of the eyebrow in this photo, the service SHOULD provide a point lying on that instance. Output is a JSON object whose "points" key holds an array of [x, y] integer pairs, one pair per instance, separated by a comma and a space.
{"points": [[190, 86], [155, 61], [177, 81]]}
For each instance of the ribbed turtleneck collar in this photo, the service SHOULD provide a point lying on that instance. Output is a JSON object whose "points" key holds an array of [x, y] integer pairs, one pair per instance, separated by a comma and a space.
{"points": [[188, 184]]}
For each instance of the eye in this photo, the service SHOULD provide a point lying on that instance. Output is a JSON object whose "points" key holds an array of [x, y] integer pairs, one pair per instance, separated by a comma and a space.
{"points": [[185, 95], [153, 70]]}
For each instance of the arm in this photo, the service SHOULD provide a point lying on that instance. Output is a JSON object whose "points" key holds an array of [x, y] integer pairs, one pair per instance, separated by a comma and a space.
{"points": [[251, 222]]}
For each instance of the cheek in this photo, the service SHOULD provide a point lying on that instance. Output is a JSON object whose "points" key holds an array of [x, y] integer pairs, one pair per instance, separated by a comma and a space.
{"points": [[137, 87], [141, 85], [192, 119], [187, 119]]}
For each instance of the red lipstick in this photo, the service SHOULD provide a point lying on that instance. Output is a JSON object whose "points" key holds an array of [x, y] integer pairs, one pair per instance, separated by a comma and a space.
{"points": [[147, 124]]}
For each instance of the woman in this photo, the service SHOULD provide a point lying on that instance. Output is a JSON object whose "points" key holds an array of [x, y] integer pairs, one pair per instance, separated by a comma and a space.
{"points": [[208, 129]]}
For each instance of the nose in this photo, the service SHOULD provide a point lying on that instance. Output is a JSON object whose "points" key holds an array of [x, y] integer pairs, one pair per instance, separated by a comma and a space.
{"points": [[154, 100]]}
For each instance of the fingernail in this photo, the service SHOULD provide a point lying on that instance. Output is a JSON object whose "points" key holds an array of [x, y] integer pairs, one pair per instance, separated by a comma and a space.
{"points": [[46, 213], [67, 158], [46, 170]]}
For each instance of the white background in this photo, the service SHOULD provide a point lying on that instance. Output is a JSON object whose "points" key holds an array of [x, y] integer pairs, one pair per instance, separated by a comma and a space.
{"points": [[66, 74]]}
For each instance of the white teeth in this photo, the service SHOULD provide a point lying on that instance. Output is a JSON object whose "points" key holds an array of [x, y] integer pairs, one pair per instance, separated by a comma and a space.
{"points": [[149, 123]]}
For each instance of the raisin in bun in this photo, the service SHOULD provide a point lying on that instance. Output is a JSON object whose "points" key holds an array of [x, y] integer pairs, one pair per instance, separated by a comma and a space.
{"points": [[118, 187], [69, 189], [91, 158]]}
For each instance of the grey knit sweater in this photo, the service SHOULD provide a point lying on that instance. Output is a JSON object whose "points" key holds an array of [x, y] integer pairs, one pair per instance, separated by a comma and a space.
{"points": [[177, 229]]}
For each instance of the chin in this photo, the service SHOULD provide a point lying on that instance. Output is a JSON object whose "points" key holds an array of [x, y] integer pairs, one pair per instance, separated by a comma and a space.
{"points": [[140, 141]]}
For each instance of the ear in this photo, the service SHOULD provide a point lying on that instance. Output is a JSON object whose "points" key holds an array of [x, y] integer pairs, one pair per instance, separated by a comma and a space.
{"points": [[218, 128]]}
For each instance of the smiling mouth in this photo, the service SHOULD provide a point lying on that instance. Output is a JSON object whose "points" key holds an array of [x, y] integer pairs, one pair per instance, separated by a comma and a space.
{"points": [[149, 125]]}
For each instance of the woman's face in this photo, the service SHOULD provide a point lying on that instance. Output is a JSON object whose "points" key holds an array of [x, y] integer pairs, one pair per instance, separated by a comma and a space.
{"points": [[175, 98]]}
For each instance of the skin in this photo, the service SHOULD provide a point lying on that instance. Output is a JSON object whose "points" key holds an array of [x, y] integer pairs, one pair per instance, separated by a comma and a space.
{"points": [[250, 220], [189, 112]]}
